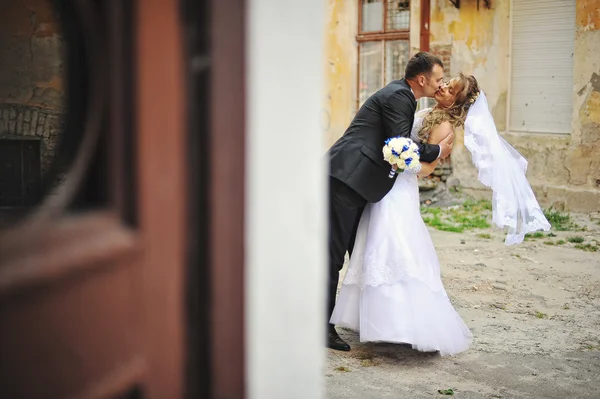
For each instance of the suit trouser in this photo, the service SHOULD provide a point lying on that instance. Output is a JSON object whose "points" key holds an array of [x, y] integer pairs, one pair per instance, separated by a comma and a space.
{"points": [[345, 209]]}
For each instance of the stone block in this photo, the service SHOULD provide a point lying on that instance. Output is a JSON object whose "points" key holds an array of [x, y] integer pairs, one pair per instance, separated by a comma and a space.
{"points": [[40, 125], [34, 121], [20, 124], [452, 181]]}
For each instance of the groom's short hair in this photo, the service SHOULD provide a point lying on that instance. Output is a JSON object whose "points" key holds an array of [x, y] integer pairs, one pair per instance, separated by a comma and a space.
{"points": [[421, 63]]}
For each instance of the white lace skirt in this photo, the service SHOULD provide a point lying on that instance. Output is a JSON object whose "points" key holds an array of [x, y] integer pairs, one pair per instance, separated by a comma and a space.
{"points": [[393, 290]]}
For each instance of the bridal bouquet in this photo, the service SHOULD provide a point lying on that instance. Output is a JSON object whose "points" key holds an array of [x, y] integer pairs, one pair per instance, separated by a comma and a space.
{"points": [[403, 154]]}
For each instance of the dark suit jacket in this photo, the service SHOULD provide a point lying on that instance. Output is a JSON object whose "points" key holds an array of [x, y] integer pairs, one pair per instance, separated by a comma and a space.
{"points": [[356, 159]]}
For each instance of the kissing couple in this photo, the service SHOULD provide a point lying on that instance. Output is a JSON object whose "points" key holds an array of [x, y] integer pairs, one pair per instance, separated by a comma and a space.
{"points": [[392, 290]]}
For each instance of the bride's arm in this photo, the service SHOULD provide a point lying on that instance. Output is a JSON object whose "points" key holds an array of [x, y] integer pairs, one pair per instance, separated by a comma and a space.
{"points": [[438, 133]]}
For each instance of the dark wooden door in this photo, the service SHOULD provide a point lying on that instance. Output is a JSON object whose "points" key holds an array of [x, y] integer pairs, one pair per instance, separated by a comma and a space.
{"points": [[92, 297], [20, 172]]}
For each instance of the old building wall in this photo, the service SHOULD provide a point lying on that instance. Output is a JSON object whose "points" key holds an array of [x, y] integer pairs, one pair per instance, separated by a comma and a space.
{"points": [[341, 68], [564, 170], [31, 75]]}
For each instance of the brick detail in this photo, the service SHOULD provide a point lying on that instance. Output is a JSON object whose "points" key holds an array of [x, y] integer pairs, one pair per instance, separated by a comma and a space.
{"points": [[27, 121], [444, 52]]}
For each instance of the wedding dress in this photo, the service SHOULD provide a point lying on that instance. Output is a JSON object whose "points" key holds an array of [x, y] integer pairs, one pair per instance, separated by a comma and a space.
{"points": [[392, 291]]}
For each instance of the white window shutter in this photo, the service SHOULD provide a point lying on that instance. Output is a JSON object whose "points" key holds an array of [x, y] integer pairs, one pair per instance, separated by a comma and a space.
{"points": [[543, 42]]}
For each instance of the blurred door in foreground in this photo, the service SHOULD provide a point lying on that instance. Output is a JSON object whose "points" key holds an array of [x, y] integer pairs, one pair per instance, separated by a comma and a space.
{"points": [[91, 280]]}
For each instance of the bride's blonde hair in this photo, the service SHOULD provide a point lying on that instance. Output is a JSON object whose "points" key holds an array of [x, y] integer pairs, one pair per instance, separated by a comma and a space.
{"points": [[467, 90]]}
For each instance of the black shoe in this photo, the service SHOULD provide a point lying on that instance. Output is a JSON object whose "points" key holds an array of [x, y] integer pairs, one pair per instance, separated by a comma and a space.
{"points": [[334, 341]]}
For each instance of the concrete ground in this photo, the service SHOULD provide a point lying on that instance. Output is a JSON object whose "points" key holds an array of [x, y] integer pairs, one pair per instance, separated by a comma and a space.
{"points": [[534, 310]]}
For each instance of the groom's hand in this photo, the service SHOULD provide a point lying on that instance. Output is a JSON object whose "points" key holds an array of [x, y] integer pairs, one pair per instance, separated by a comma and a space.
{"points": [[446, 145]]}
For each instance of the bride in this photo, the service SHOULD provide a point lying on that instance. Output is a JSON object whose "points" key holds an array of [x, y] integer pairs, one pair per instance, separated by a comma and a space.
{"points": [[392, 291]]}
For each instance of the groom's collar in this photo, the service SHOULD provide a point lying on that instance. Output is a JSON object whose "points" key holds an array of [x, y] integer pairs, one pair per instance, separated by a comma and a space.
{"points": [[410, 88]]}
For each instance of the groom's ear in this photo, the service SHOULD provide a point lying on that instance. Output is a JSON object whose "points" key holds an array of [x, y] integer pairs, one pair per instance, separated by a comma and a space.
{"points": [[421, 80]]}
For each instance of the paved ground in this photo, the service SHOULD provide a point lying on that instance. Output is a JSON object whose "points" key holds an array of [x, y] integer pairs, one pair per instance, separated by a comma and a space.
{"points": [[534, 310]]}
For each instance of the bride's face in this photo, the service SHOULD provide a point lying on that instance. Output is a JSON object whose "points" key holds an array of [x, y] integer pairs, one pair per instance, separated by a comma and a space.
{"points": [[446, 95]]}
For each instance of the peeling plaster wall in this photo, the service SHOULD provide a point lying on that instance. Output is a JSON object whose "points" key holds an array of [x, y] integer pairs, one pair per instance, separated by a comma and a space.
{"points": [[341, 68], [31, 63], [564, 170], [31, 75]]}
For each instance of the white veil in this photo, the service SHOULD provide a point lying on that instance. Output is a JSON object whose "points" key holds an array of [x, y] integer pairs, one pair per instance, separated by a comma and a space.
{"points": [[502, 169]]}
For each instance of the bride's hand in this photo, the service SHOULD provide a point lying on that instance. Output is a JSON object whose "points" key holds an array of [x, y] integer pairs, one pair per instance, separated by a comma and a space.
{"points": [[446, 145]]}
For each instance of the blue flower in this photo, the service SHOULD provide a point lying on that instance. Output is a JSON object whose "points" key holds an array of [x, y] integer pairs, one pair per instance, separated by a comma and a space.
{"points": [[407, 161], [405, 148], [387, 141], [395, 153]]}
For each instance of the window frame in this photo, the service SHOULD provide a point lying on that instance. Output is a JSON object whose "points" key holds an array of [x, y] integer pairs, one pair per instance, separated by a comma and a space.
{"points": [[367, 36], [383, 36]]}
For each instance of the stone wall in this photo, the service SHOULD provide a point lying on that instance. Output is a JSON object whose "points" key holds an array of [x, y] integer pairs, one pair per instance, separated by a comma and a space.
{"points": [[30, 121], [31, 75]]}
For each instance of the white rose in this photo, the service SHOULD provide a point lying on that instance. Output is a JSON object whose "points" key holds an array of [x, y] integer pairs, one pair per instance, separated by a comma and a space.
{"points": [[394, 143], [414, 164], [387, 153]]}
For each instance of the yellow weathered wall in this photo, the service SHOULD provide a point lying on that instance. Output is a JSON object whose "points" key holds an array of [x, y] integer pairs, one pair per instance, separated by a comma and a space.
{"points": [[479, 40], [341, 60], [564, 170], [341, 68]]}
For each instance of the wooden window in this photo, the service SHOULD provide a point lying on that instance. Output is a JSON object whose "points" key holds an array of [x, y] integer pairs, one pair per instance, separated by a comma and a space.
{"points": [[383, 44]]}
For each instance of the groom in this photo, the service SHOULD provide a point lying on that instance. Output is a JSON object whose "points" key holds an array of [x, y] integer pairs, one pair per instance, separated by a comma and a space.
{"points": [[358, 173]]}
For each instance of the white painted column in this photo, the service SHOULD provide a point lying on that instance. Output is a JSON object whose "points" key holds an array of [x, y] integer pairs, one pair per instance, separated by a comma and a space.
{"points": [[286, 222]]}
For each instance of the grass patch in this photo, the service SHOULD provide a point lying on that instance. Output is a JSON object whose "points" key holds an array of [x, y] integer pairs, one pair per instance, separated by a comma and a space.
{"points": [[591, 347], [534, 236], [472, 205], [540, 315], [549, 242], [484, 235], [468, 216], [576, 239], [560, 221], [587, 247]]}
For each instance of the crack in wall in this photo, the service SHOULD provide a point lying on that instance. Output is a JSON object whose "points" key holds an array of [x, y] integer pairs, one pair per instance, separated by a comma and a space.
{"points": [[32, 23]]}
